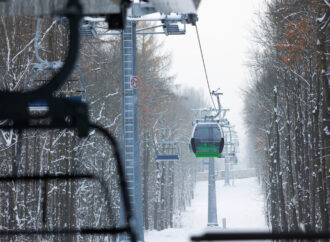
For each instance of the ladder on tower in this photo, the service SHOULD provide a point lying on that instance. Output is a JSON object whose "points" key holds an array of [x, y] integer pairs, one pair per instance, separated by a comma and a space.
{"points": [[129, 148]]}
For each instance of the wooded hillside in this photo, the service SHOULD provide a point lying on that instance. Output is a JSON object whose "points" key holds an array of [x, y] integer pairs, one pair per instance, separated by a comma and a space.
{"points": [[287, 112]]}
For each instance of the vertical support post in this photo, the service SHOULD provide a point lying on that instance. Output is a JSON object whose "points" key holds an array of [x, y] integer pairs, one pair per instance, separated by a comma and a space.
{"points": [[227, 163], [227, 160], [171, 170], [130, 130], [163, 220], [212, 200], [137, 163], [224, 223]]}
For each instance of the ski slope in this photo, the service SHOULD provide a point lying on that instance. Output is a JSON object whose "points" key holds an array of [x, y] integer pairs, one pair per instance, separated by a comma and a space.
{"points": [[241, 204]]}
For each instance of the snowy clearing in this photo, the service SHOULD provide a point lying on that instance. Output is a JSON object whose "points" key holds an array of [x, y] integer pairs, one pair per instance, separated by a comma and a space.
{"points": [[242, 206]]}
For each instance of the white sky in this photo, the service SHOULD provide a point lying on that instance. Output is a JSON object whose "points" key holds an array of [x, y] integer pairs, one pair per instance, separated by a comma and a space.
{"points": [[225, 28]]}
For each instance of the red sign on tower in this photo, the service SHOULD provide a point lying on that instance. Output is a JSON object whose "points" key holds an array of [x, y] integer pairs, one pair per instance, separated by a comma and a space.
{"points": [[134, 82]]}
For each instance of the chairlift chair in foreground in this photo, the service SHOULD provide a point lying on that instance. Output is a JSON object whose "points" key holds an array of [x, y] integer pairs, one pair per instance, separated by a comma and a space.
{"points": [[62, 114], [207, 140]]}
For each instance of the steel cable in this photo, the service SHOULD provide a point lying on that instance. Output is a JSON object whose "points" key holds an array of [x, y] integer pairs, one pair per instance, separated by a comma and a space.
{"points": [[204, 65]]}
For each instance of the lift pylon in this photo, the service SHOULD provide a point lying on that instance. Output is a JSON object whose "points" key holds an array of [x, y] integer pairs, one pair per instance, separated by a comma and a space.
{"points": [[130, 129]]}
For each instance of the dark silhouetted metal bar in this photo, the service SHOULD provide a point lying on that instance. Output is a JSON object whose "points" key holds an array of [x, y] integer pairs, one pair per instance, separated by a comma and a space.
{"points": [[82, 231], [261, 236]]}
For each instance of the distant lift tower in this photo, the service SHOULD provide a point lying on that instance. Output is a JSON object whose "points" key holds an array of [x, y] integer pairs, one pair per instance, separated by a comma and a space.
{"points": [[130, 130], [231, 147]]}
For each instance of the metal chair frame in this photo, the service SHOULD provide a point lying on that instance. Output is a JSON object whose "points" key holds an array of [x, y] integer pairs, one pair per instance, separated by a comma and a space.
{"points": [[171, 146]]}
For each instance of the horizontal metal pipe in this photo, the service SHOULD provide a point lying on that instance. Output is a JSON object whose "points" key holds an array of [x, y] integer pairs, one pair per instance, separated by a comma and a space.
{"points": [[261, 236]]}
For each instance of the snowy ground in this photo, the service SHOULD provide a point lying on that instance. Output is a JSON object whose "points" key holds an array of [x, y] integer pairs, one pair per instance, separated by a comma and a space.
{"points": [[241, 205]]}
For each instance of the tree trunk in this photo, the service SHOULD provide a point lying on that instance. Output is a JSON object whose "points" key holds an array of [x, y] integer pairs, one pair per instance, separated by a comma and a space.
{"points": [[324, 165], [294, 227], [278, 167], [146, 161]]}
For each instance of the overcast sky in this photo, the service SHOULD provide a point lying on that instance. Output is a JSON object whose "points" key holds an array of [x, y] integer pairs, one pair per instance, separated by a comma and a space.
{"points": [[225, 28]]}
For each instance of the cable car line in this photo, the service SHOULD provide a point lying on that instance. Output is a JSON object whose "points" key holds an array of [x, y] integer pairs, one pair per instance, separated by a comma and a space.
{"points": [[204, 65]]}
